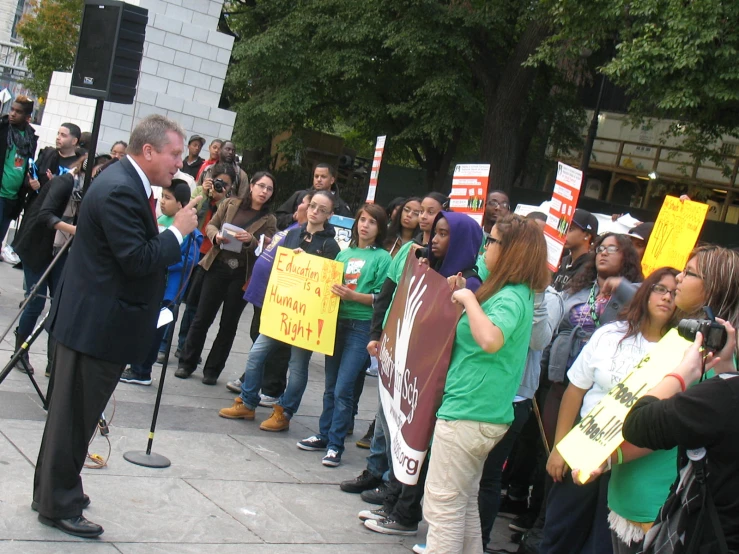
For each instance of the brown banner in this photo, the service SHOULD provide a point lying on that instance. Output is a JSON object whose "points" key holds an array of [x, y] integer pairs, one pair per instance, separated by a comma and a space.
{"points": [[414, 353]]}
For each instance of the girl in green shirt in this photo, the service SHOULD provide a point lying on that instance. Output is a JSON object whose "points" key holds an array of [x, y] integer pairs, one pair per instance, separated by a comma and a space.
{"points": [[365, 268], [488, 360]]}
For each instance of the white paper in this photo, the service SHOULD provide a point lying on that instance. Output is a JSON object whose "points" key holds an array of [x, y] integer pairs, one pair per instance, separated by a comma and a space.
{"points": [[260, 246], [165, 317], [627, 220], [229, 231]]}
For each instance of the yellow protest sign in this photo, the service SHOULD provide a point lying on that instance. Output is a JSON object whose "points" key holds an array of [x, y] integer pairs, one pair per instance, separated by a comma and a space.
{"points": [[675, 234], [299, 307], [598, 434]]}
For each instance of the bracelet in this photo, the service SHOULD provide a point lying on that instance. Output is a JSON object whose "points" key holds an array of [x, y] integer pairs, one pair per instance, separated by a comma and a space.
{"points": [[620, 455], [679, 378]]}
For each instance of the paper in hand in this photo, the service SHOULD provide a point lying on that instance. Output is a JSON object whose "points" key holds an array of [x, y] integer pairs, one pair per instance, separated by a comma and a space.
{"points": [[229, 231], [165, 317], [260, 246]]}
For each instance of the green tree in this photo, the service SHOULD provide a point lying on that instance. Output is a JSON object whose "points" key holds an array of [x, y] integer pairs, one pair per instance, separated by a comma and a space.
{"points": [[49, 33]]}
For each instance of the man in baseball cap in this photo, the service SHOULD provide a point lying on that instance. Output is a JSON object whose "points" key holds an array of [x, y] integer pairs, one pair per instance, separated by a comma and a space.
{"points": [[639, 236], [192, 163], [579, 238]]}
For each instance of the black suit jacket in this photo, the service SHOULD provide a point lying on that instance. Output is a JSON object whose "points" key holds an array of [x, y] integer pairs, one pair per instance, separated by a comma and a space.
{"points": [[108, 300]]}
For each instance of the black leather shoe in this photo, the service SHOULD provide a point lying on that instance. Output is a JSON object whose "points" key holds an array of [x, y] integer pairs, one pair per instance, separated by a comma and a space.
{"points": [[85, 503], [182, 373], [77, 526], [209, 380]]}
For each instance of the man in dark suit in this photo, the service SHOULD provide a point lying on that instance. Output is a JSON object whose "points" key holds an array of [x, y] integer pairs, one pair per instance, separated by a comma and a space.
{"points": [[105, 310]]}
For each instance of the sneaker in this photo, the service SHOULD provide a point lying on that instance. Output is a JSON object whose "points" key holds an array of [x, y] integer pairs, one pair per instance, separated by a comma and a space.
{"points": [[376, 495], [371, 371], [129, 376], [237, 411], [366, 440], [511, 508], [389, 526], [419, 548], [234, 386], [278, 421], [366, 481], [9, 255], [332, 458], [522, 523], [161, 357], [266, 401], [313, 443], [377, 514]]}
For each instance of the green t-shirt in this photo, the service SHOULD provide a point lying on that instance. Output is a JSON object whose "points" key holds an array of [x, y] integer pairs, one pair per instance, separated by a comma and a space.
{"points": [[165, 220], [365, 270], [395, 272], [639, 488], [482, 269], [481, 386], [14, 170]]}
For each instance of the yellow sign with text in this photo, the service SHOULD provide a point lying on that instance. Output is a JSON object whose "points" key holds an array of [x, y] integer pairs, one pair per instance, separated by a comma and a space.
{"points": [[598, 434], [299, 307], [674, 235]]}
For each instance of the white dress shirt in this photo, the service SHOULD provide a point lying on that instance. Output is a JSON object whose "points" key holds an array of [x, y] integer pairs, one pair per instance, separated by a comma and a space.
{"points": [[147, 189]]}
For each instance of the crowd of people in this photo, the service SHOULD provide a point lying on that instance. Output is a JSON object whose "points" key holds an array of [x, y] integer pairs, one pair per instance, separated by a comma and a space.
{"points": [[526, 338]]}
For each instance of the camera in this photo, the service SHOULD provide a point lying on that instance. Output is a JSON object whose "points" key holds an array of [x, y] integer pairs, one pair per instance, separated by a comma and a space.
{"points": [[714, 334], [219, 185]]}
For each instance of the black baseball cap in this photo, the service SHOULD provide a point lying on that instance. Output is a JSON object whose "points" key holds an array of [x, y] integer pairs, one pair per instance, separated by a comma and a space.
{"points": [[198, 138], [586, 221], [642, 231]]}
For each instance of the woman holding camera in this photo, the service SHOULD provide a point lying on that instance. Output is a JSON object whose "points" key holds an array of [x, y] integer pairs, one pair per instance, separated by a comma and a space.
{"points": [[701, 420], [226, 273]]}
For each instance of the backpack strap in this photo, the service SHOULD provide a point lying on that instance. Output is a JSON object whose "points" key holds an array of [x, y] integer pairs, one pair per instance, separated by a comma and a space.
{"points": [[707, 508]]}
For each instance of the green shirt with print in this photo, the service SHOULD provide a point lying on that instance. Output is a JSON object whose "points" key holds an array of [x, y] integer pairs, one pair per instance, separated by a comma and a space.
{"points": [[481, 386], [395, 271], [365, 270], [13, 174]]}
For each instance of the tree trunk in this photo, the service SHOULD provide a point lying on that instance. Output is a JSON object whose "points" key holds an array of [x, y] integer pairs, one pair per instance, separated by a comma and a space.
{"points": [[505, 109]]}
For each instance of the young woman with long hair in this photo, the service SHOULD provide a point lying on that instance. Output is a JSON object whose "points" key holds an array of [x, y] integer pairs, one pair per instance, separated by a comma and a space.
{"points": [[314, 237], [700, 419], [365, 267], [485, 370], [403, 225], [576, 514], [226, 272]]}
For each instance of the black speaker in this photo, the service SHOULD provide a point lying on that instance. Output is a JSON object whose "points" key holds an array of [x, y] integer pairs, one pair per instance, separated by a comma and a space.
{"points": [[109, 52]]}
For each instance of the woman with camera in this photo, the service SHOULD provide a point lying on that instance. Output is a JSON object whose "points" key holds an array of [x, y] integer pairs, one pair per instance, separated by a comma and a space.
{"points": [[226, 273], [702, 512]]}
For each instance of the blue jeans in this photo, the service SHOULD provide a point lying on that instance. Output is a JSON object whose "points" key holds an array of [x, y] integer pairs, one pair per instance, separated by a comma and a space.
{"points": [[379, 462], [34, 308], [349, 360], [296, 383]]}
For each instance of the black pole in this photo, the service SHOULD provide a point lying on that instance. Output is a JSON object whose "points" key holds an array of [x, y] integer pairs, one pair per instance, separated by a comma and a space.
{"points": [[592, 132], [91, 151], [147, 459], [20, 352]]}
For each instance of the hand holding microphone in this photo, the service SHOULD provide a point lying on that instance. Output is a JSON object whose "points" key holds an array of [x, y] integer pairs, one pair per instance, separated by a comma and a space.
{"points": [[186, 220]]}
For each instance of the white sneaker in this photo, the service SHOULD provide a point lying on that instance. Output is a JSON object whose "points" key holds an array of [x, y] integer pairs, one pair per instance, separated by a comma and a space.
{"points": [[267, 401], [419, 548], [9, 255], [377, 514]]}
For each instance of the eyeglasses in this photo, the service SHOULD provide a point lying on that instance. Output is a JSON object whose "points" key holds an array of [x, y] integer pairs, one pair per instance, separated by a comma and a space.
{"points": [[661, 290], [610, 249], [318, 208], [492, 240], [264, 187], [496, 204], [689, 273], [407, 210]]}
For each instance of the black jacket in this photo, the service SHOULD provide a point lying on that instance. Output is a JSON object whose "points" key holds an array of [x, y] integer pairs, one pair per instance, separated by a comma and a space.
{"points": [[107, 302], [25, 189], [322, 244], [284, 213], [34, 241]]}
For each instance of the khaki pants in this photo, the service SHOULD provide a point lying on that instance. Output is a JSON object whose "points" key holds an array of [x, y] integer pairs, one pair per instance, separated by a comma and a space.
{"points": [[458, 454]]}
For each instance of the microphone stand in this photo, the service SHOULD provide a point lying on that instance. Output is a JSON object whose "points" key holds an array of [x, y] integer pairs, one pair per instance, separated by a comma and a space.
{"points": [[147, 458]]}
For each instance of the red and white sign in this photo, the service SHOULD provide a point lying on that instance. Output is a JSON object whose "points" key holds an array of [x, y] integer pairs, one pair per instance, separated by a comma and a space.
{"points": [[561, 210], [376, 162], [469, 189]]}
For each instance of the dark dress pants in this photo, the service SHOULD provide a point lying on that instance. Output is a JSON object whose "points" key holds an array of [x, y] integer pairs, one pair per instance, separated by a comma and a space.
{"points": [[222, 285], [82, 387]]}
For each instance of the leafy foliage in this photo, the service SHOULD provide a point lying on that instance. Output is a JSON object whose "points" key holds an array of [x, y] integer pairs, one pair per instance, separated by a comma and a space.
{"points": [[49, 33]]}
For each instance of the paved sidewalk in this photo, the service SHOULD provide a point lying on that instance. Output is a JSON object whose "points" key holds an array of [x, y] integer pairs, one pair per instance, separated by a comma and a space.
{"points": [[231, 488]]}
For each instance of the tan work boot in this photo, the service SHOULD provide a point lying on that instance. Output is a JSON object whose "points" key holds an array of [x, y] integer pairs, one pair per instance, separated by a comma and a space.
{"points": [[237, 411], [277, 421]]}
